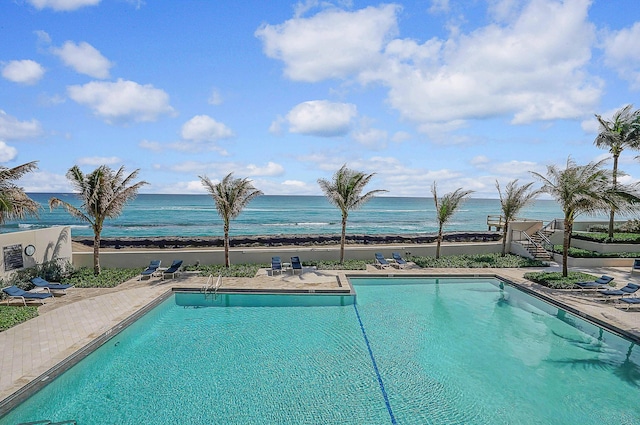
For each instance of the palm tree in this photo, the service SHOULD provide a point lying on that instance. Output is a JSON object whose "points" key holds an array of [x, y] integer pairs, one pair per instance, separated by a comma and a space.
{"points": [[616, 135], [230, 196], [104, 194], [584, 189], [344, 191], [14, 203], [446, 207], [514, 199]]}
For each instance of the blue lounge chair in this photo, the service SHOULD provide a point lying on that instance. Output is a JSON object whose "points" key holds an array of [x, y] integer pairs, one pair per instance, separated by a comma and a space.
{"points": [[381, 261], [151, 270], [173, 269], [41, 283], [399, 260], [13, 292], [600, 283], [636, 267], [631, 288], [296, 264], [630, 301], [276, 265]]}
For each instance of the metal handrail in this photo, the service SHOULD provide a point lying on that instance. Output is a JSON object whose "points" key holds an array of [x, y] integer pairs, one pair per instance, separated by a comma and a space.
{"points": [[210, 286], [546, 242]]}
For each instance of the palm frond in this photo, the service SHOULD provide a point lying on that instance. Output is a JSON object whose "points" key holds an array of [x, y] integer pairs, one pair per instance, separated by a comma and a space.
{"points": [[14, 202]]}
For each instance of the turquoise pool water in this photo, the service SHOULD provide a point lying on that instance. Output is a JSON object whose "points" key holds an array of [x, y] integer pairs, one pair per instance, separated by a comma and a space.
{"points": [[411, 351]]}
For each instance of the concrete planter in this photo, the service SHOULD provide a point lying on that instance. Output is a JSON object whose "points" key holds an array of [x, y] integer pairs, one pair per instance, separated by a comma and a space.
{"points": [[595, 262]]}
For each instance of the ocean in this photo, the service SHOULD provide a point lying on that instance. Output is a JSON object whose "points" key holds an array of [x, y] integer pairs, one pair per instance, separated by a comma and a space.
{"points": [[154, 215]]}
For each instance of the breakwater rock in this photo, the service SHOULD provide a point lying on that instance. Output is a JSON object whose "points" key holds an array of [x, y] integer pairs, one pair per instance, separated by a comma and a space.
{"points": [[285, 240]]}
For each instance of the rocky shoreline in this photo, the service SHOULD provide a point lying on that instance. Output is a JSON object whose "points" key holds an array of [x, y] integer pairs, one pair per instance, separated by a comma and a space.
{"points": [[285, 240]]}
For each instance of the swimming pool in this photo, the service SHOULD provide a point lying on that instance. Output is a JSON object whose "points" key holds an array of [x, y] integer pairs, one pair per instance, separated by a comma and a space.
{"points": [[410, 351]]}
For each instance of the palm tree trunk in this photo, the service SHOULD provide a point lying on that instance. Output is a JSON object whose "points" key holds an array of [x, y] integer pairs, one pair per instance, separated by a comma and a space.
{"points": [[439, 241], [615, 185], [504, 240], [343, 237], [226, 244], [566, 242], [96, 253]]}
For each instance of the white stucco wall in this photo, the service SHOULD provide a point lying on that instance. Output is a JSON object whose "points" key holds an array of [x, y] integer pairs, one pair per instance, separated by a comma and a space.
{"points": [[50, 244]]}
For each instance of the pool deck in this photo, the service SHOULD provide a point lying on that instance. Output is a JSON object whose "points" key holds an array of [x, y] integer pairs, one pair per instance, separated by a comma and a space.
{"points": [[72, 321]]}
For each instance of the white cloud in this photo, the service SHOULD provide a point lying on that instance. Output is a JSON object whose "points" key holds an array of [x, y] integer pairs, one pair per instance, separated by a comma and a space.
{"points": [[439, 6], [62, 5], [84, 58], [150, 145], [221, 169], [203, 128], [271, 169], [43, 181], [99, 160], [7, 153], [621, 53], [332, 44], [215, 98], [122, 101], [513, 66], [371, 137], [43, 36], [13, 129], [23, 71], [321, 118], [516, 68], [479, 160]]}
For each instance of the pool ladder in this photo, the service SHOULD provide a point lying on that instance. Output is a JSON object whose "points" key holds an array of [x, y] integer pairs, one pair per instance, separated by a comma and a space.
{"points": [[48, 422], [212, 288]]}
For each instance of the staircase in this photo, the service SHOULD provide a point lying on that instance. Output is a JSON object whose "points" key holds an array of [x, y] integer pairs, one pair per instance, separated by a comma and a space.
{"points": [[538, 245]]}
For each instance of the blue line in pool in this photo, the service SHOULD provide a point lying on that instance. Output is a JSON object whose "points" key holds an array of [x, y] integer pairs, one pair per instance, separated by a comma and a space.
{"points": [[375, 367]]}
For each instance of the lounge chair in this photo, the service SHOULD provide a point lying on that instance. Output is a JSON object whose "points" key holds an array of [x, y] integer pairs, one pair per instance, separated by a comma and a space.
{"points": [[381, 262], [173, 269], [276, 265], [399, 260], [636, 267], [41, 283], [151, 270], [631, 288], [600, 283], [296, 264], [14, 292], [630, 301]]}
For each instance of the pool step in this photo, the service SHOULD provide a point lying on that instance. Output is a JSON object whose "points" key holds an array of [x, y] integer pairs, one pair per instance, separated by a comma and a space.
{"points": [[48, 422]]}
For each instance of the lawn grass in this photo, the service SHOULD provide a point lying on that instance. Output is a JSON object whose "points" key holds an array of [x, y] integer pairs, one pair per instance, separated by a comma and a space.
{"points": [[14, 315]]}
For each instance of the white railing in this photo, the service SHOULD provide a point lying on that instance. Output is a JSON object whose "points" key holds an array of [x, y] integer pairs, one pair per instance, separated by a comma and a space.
{"points": [[210, 286]]}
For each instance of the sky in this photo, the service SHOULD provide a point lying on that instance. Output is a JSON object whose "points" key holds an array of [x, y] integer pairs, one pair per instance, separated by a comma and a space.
{"points": [[461, 93]]}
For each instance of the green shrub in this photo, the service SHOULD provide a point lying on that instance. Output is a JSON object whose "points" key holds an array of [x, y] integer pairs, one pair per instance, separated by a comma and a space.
{"points": [[108, 277], [235, 270], [13, 315], [603, 237], [53, 271], [477, 261], [555, 280], [585, 253], [335, 265]]}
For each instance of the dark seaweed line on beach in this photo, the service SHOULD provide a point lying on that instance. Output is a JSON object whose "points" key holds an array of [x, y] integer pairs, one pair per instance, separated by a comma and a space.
{"points": [[286, 240]]}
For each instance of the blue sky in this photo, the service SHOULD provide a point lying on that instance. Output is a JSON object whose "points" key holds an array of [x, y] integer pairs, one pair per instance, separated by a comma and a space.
{"points": [[463, 93]]}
